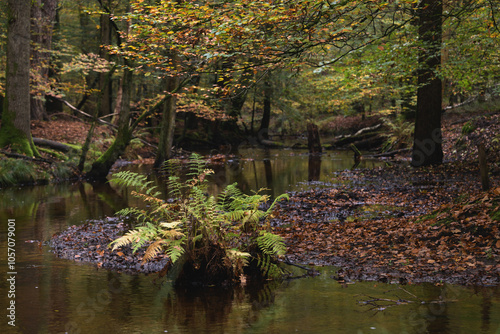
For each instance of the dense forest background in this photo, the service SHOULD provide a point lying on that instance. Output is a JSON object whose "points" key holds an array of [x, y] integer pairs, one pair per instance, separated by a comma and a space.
{"points": [[200, 74]]}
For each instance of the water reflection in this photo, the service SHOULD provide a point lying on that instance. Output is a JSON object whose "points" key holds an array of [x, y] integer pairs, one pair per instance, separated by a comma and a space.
{"points": [[314, 167], [57, 296]]}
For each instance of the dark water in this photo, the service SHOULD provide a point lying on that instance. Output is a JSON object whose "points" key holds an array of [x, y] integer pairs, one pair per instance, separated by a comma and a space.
{"points": [[58, 296]]}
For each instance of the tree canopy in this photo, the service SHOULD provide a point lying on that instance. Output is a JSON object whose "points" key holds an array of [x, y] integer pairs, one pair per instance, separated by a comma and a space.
{"points": [[341, 57]]}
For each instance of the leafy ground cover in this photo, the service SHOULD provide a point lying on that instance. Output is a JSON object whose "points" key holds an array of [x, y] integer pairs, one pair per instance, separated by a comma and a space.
{"points": [[398, 223]]}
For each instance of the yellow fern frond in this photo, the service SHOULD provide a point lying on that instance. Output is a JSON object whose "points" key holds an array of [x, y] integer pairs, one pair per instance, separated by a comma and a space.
{"points": [[173, 234], [124, 240], [153, 250]]}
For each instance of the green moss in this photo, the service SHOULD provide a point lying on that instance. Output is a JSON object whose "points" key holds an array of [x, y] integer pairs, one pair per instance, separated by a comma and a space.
{"points": [[11, 136], [14, 171]]}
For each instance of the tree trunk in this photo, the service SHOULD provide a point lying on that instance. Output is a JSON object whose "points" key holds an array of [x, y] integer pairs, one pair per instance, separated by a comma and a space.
{"points": [[313, 139], [43, 14], [105, 84], [52, 104], [167, 125], [15, 130], [266, 116], [427, 145], [100, 168], [483, 167]]}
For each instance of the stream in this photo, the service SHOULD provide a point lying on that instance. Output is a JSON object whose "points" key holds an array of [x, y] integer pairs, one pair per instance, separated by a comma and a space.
{"points": [[54, 295]]}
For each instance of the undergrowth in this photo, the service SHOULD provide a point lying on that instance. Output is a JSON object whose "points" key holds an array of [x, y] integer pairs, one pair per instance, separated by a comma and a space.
{"points": [[400, 134], [209, 240], [14, 171]]}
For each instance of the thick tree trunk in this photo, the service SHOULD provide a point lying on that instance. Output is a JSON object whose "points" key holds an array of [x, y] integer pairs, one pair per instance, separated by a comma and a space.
{"points": [[167, 125], [427, 145], [43, 14], [15, 130]]}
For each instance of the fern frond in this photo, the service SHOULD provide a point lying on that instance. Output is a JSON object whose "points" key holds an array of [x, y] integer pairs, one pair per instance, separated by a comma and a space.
{"points": [[271, 244], [276, 200], [175, 250], [153, 250], [128, 238], [130, 212], [235, 253], [172, 234], [132, 179]]}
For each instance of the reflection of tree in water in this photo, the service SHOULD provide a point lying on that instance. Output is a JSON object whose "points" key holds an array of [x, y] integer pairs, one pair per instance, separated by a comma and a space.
{"points": [[269, 176], [314, 167]]}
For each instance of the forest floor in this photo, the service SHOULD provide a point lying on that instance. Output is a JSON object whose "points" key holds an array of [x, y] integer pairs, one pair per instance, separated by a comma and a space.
{"points": [[404, 224], [394, 224]]}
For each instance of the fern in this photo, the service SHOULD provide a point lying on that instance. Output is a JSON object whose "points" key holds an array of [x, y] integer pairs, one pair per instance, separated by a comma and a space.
{"points": [[135, 180], [138, 237], [154, 249], [192, 220], [271, 244]]}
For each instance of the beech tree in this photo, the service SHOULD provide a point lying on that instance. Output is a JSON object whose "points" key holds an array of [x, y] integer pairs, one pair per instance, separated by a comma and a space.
{"points": [[427, 148], [15, 130]]}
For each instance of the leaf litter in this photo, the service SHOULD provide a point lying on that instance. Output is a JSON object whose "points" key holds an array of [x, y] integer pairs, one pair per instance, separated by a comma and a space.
{"points": [[402, 224]]}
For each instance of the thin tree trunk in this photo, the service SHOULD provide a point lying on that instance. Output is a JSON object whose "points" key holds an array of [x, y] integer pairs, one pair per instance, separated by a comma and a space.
{"points": [[427, 145], [15, 130], [266, 116], [104, 83], [52, 104], [167, 124]]}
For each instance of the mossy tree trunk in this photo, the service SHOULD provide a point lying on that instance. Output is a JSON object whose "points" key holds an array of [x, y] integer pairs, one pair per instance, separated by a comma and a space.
{"points": [[15, 131], [100, 168]]}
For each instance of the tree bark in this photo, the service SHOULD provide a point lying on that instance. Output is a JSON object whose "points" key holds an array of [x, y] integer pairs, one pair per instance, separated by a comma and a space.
{"points": [[427, 145], [483, 167], [105, 85], [167, 125], [43, 14], [15, 130], [266, 115], [313, 139], [101, 167]]}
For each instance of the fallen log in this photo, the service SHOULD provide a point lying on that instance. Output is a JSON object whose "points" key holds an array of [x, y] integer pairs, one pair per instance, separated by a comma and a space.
{"points": [[52, 144], [363, 136], [271, 144], [368, 129], [374, 141], [348, 140]]}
